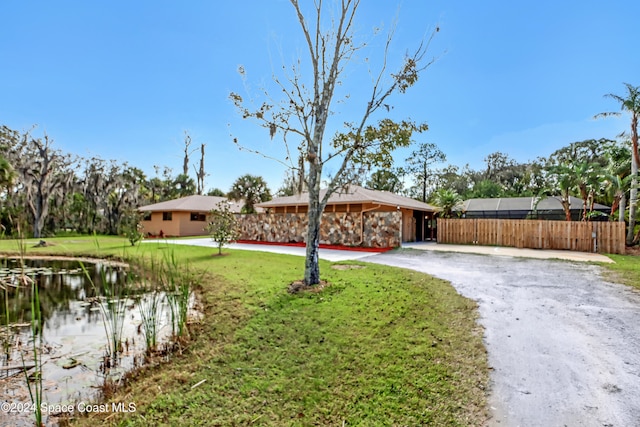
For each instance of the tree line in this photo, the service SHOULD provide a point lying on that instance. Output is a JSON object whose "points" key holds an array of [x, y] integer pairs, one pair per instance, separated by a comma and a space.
{"points": [[45, 191], [595, 170]]}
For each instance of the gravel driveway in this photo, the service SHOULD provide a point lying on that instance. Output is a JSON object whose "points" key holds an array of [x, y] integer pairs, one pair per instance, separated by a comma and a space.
{"points": [[563, 343]]}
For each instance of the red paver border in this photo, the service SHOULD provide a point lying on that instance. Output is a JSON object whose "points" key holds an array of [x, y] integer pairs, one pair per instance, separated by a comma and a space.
{"points": [[322, 246]]}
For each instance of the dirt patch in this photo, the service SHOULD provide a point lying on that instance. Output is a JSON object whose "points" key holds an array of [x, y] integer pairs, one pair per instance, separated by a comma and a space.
{"points": [[299, 286], [346, 266], [632, 250]]}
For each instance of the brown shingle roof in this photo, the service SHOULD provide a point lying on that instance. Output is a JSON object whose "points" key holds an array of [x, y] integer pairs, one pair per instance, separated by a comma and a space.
{"points": [[194, 203], [354, 194]]}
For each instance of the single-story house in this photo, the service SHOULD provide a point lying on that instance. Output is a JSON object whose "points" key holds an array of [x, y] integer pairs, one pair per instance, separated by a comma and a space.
{"points": [[549, 208], [186, 216], [354, 216]]}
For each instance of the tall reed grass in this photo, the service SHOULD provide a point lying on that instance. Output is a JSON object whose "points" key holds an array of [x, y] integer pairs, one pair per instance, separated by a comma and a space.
{"points": [[111, 299], [150, 313], [177, 282], [34, 381]]}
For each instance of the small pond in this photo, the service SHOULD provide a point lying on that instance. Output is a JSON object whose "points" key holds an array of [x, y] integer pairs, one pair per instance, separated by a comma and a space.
{"points": [[80, 305]]}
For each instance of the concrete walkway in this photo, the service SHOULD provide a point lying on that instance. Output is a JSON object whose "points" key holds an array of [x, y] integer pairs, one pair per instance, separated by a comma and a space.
{"points": [[334, 255], [326, 254], [512, 252]]}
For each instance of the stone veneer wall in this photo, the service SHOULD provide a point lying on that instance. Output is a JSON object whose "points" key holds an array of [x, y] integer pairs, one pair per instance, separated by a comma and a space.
{"points": [[381, 229]]}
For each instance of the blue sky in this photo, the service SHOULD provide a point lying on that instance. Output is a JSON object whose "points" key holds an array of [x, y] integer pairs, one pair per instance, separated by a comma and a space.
{"points": [[123, 80]]}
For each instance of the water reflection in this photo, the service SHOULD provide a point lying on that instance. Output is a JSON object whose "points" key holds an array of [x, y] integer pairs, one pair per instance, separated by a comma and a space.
{"points": [[72, 329]]}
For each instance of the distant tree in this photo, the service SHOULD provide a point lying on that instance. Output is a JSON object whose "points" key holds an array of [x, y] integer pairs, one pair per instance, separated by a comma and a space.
{"points": [[187, 153], [306, 108], [216, 192], [200, 173], [125, 184], [7, 180], [419, 163], [182, 186], [630, 103], [452, 178], [223, 226], [509, 175], [486, 189], [7, 174], [289, 185], [590, 150], [251, 189], [384, 180]]}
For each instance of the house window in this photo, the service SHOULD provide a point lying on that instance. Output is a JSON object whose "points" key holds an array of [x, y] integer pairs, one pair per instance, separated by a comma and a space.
{"points": [[195, 216], [146, 216], [167, 216]]}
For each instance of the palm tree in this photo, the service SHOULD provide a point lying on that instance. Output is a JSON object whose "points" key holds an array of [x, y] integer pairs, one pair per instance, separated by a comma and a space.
{"points": [[587, 180], [252, 189], [562, 178], [630, 104], [617, 179], [448, 200]]}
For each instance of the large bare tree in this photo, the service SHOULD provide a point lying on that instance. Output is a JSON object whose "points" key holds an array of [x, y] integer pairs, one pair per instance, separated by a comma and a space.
{"points": [[304, 111]]}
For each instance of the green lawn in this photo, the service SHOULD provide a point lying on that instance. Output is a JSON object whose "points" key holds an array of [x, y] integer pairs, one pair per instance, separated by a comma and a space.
{"points": [[378, 346], [626, 269]]}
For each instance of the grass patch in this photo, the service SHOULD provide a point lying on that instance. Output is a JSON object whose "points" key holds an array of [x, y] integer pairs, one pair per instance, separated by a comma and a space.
{"points": [[626, 269], [378, 346]]}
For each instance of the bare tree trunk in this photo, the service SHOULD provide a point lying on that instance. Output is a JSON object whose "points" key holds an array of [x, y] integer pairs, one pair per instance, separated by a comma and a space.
{"points": [[311, 265], [635, 163], [424, 183], [185, 161], [201, 174], [566, 206], [622, 207], [633, 200], [38, 214], [314, 215]]}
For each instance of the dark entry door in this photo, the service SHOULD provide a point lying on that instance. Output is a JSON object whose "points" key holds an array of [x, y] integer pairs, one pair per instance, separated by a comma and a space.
{"points": [[419, 217]]}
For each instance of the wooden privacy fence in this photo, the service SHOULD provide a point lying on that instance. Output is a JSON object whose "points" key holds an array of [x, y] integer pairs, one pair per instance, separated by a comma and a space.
{"points": [[603, 237]]}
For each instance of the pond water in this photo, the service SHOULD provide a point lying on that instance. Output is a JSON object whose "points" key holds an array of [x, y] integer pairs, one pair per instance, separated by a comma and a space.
{"points": [[78, 305]]}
